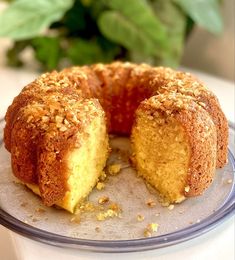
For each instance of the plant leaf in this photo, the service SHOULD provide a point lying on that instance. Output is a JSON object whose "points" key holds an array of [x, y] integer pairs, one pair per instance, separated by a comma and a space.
{"points": [[24, 19], [82, 52], [118, 29], [133, 25], [205, 13], [47, 51], [139, 12], [13, 53], [175, 22]]}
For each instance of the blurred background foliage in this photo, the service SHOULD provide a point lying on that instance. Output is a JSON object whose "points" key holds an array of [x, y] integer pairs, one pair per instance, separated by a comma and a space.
{"points": [[62, 33]]}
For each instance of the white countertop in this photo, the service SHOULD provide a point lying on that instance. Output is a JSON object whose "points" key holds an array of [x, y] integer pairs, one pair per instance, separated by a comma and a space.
{"points": [[216, 244]]}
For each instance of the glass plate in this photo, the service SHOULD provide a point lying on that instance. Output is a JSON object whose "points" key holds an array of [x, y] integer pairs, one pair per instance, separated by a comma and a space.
{"points": [[22, 211]]}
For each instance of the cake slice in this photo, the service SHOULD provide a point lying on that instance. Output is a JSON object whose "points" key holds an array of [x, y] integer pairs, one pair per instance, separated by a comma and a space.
{"points": [[69, 142], [174, 146]]}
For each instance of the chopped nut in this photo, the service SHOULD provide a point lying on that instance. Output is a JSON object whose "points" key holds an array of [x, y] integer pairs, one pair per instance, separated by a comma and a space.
{"points": [[114, 169], [103, 200], [58, 119], [186, 189], [114, 210], [63, 128], [29, 119], [180, 199], [24, 204], [103, 176], [76, 219], [115, 207], [100, 186], [87, 207], [165, 203], [66, 122], [152, 227], [151, 203], [45, 119], [140, 217], [147, 233], [107, 214], [97, 229], [171, 207], [40, 210]]}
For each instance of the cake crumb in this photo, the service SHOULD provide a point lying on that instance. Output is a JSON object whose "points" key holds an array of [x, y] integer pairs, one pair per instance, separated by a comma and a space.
{"points": [[165, 204], [24, 204], [103, 176], [157, 214], [103, 200], [115, 207], [100, 186], [114, 210], [171, 207], [87, 207], [147, 233], [114, 169], [229, 181], [150, 229], [107, 214], [35, 219], [151, 203], [76, 219], [97, 229], [140, 217], [186, 189], [40, 210]]}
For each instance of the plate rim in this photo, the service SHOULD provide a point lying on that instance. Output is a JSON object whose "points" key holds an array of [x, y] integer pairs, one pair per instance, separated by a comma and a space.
{"points": [[225, 211]]}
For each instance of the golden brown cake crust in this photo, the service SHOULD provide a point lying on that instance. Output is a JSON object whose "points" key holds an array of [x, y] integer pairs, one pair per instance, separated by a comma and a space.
{"points": [[119, 87]]}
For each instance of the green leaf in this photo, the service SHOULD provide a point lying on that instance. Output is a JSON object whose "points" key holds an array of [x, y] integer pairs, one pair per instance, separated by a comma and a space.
{"points": [[140, 13], [47, 51], [82, 52], [118, 29], [133, 25], [75, 19], [13, 53], [175, 22], [24, 19], [205, 13]]}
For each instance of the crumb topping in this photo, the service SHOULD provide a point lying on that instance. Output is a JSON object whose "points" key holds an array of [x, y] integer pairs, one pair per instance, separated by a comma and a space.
{"points": [[100, 186], [150, 229], [114, 169], [170, 102]]}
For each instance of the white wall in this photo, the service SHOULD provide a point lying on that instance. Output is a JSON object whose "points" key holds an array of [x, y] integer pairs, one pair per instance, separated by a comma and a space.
{"points": [[214, 54]]}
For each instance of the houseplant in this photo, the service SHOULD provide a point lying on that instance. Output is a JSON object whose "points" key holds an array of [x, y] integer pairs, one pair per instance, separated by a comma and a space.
{"points": [[63, 33]]}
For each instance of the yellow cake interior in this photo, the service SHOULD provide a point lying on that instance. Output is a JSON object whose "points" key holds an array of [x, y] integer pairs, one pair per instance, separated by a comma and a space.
{"points": [[161, 153], [85, 165]]}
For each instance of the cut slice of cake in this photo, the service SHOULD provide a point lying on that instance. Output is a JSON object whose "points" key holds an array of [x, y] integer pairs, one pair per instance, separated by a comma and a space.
{"points": [[172, 150]]}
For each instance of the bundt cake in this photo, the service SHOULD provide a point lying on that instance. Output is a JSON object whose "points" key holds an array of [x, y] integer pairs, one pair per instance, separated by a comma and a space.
{"points": [[56, 130]]}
